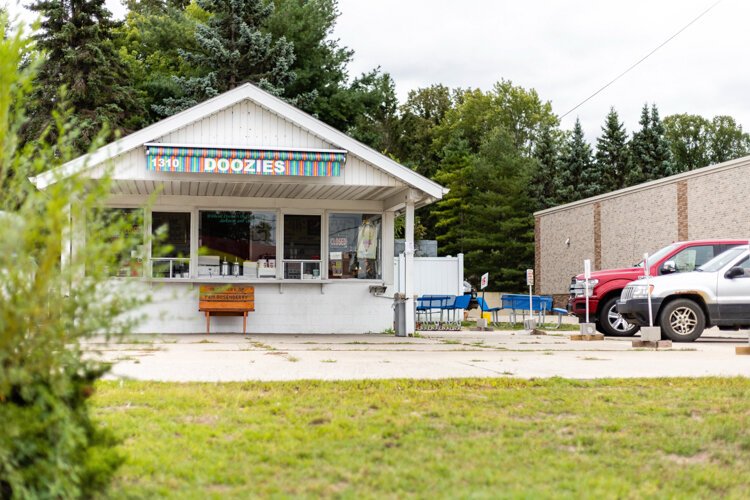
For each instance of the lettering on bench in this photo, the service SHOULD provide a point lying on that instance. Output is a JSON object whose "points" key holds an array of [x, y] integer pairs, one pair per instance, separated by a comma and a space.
{"points": [[226, 301]]}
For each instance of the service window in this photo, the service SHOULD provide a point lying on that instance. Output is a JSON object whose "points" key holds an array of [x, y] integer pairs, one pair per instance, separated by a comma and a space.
{"points": [[354, 246], [690, 258], [171, 232], [237, 243], [302, 244], [129, 261]]}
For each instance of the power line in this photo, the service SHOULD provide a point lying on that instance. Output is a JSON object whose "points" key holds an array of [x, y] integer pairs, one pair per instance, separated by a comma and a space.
{"points": [[642, 59]]}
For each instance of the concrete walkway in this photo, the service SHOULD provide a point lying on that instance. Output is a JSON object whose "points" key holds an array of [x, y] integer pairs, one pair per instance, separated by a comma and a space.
{"points": [[435, 355]]}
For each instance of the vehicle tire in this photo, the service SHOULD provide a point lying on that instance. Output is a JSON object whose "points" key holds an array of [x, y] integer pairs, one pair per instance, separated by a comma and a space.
{"points": [[682, 320], [611, 322]]}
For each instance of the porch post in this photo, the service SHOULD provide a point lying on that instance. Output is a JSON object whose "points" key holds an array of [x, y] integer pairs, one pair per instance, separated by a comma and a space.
{"points": [[387, 249], [409, 257]]}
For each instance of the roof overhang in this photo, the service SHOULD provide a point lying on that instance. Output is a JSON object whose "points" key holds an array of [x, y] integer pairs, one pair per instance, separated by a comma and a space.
{"points": [[429, 189]]}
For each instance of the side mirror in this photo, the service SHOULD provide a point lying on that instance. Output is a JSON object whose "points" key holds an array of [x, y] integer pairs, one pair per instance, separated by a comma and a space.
{"points": [[669, 267], [734, 272]]}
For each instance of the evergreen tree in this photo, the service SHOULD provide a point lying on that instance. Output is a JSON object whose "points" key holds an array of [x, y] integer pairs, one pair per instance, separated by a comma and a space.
{"points": [[612, 154], [544, 187], [650, 153], [578, 179], [76, 36], [232, 49], [320, 85], [149, 42]]}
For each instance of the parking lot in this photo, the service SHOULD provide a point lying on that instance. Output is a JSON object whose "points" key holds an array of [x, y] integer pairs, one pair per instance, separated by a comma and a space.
{"points": [[432, 355]]}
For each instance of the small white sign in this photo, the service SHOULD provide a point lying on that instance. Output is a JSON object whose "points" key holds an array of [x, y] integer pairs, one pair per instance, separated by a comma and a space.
{"points": [[529, 277], [336, 256], [587, 269], [485, 281]]}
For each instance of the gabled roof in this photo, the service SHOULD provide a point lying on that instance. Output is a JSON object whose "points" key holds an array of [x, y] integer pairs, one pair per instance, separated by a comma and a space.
{"points": [[227, 99]]}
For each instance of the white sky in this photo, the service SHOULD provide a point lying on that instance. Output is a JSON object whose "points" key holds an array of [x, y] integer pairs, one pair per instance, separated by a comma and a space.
{"points": [[565, 50]]}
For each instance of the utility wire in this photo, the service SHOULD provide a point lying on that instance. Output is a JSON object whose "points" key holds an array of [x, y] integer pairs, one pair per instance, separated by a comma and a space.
{"points": [[641, 59]]}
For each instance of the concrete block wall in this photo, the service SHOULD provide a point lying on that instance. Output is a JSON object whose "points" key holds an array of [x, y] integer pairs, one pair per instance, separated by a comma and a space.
{"points": [[719, 205], [564, 239], [615, 229], [642, 221]]}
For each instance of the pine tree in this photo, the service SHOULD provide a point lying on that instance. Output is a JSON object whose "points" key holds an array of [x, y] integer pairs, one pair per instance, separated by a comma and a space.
{"points": [[612, 153], [578, 179], [650, 154], [77, 38], [544, 187], [662, 158], [233, 49]]}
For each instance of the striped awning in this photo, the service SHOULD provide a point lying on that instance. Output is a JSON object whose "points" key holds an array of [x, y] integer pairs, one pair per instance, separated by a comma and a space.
{"points": [[170, 158]]}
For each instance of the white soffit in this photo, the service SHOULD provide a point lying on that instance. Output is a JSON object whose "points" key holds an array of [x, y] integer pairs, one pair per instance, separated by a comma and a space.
{"points": [[247, 91]]}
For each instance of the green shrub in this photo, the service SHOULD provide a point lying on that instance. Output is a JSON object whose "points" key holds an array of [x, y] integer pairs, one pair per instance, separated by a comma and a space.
{"points": [[50, 300]]}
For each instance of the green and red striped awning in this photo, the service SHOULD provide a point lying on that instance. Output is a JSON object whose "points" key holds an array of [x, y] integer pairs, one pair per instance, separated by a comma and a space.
{"points": [[244, 161]]}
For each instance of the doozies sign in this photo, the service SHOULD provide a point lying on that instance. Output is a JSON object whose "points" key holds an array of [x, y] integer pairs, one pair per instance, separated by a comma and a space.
{"points": [[160, 158]]}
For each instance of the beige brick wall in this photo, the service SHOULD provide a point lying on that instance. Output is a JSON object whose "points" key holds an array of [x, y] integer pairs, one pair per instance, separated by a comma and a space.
{"points": [[637, 222], [559, 261], [719, 204]]}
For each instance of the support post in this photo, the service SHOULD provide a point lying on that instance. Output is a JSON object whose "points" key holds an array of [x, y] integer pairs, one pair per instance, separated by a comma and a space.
{"points": [[409, 264], [388, 251]]}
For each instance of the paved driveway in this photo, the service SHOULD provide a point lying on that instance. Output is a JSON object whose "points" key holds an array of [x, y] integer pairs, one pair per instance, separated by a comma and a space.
{"points": [[435, 355]]}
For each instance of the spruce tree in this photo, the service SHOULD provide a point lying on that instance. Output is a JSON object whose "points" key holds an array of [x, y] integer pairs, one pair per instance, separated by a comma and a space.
{"points": [[612, 153], [578, 179], [544, 187], [662, 158], [232, 49], [76, 36], [650, 153]]}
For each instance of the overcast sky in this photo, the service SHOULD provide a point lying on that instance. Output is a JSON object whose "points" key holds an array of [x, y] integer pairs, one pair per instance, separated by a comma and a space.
{"points": [[564, 50]]}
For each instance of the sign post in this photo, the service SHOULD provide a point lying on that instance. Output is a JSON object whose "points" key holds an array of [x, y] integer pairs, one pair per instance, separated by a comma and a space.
{"points": [[482, 323], [649, 333], [530, 324], [587, 329]]}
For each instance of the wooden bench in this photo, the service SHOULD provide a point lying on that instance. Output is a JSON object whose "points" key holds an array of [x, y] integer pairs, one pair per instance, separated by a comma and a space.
{"points": [[226, 301]]}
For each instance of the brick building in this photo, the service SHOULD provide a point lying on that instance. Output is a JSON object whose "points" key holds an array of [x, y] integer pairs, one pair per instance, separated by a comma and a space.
{"points": [[615, 229]]}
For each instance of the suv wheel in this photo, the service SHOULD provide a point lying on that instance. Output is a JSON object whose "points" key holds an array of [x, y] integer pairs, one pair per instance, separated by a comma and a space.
{"points": [[611, 322], [682, 320]]}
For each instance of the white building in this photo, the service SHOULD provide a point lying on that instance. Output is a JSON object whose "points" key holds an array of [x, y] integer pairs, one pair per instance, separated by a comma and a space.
{"points": [[273, 198]]}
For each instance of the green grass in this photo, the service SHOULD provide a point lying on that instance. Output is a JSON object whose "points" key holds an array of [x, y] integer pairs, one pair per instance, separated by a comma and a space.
{"points": [[450, 438]]}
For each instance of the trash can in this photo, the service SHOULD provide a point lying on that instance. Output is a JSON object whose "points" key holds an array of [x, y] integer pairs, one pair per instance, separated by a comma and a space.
{"points": [[399, 314]]}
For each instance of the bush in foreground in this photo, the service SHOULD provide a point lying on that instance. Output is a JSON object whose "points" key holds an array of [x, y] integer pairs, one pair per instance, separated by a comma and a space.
{"points": [[53, 294]]}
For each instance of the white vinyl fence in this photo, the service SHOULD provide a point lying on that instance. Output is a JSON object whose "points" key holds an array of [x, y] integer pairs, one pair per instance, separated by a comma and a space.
{"points": [[432, 275]]}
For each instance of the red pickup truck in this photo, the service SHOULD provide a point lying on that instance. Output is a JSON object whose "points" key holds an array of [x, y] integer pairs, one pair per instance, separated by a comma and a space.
{"points": [[608, 284]]}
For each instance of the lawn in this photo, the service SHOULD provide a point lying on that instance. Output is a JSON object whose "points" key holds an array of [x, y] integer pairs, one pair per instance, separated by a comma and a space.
{"points": [[447, 438]]}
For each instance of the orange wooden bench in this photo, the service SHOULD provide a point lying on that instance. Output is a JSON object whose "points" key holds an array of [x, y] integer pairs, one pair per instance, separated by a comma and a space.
{"points": [[225, 300]]}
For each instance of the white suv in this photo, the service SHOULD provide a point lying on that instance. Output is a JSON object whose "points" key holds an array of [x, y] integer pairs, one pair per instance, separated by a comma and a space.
{"points": [[684, 304]]}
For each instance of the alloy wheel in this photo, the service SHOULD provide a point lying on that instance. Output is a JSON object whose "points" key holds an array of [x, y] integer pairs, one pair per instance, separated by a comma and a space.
{"points": [[683, 320], [616, 321]]}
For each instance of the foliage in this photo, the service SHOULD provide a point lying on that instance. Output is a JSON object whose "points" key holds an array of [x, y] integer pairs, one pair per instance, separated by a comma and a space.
{"points": [[49, 447], [612, 154], [231, 49], [76, 37], [485, 144], [697, 142], [320, 84], [375, 121], [576, 169], [423, 111], [149, 42], [484, 438], [545, 185], [650, 154]]}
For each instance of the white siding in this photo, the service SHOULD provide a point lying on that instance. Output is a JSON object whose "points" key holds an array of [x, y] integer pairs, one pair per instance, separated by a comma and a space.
{"points": [[245, 125]]}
